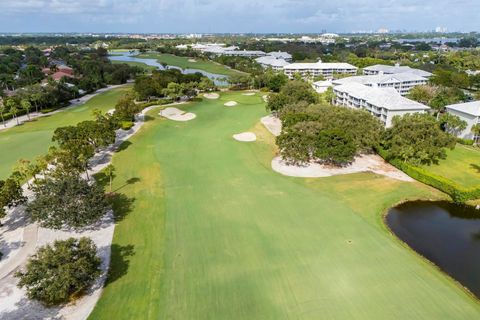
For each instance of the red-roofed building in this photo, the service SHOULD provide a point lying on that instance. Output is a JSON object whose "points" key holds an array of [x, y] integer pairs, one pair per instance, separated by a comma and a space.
{"points": [[65, 69], [60, 74]]}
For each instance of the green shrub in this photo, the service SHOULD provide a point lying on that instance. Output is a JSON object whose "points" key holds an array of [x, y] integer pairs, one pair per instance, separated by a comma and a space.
{"points": [[457, 192], [126, 125], [465, 142]]}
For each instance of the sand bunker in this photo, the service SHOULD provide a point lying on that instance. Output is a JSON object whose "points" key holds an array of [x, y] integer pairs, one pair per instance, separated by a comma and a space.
{"points": [[230, 104], [248, 94], [245, 137], [265, 98], [363, 163], [273, 124], [177, 114], [192, 60], [211, 95]]}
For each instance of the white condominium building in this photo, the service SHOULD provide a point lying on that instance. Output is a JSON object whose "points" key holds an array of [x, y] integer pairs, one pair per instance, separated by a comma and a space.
{"points": [[326, 69], [272, 62], [402, 82], [382, 103], [384, 69], [280, 55], [469, 112]]}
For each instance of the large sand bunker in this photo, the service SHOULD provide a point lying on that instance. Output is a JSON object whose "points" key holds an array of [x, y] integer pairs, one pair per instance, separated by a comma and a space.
{"points": [[273, 124], [192, 60], [211, 95], [363, 163], [177, 114], [248, 93], [230, 104], [245, 137]]}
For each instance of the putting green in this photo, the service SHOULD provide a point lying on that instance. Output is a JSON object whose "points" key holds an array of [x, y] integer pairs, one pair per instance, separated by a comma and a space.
{"points": [[33, 138], [214, 233]]}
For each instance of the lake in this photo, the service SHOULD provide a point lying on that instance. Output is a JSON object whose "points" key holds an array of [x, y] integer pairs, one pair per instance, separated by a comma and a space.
{"points": [[445, 233], [129, 56]]}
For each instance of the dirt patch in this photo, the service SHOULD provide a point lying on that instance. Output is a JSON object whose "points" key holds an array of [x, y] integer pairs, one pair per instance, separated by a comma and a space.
{"points": [[245, 137], [363, 163], [192, 60], [175, 114]]}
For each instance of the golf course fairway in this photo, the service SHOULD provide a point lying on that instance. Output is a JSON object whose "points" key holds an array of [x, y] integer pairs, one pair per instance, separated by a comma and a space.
{"points": [[206, 230], [32, 139]]}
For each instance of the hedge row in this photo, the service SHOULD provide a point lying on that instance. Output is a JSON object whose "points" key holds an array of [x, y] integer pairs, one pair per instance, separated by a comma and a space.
{"points": [[457, 192]]}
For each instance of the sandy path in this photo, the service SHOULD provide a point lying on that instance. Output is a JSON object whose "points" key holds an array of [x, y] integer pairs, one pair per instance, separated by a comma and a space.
{"points": [[363, 163], [13, 301], [245, 137], [73, 103]]}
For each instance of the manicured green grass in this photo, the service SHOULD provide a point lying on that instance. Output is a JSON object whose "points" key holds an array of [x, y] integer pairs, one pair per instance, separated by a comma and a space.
{"points": [[184, 63], [462, 165], [33, 138], [135, 64], [216, 234]]}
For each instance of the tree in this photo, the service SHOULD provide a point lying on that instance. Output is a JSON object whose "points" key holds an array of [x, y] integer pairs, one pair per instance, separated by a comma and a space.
{"points": [[476, 132], [2, 111], [12, 108], [57, 273], [416, 139], [67, 201], [125, 109], [11, 194], [334, 146], [452, 124], [110, 172], [423, 94], [26, 105], [291, 93]]}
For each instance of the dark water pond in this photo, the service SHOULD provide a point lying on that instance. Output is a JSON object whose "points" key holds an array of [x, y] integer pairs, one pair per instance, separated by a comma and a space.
{"points": [[130, 56], [445, 233]]}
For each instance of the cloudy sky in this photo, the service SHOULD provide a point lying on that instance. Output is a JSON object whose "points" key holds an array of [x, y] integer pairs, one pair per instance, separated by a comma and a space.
{"points": [[206, 16]]}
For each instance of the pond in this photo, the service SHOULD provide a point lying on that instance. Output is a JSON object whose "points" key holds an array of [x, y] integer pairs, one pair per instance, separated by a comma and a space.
{"points": [[130, 56], [445, 233]]}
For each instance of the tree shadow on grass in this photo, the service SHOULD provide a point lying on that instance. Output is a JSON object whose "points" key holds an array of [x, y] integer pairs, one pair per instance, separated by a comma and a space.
{"points": [[119, 262], [130, 181], [121, 204], [124, 146], [475, 167], [147, 118]]}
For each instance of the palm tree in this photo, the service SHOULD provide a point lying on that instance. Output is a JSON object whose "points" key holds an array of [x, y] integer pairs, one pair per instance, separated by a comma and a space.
{"points": [[12, 108], [476, 132], [110, 172], [2, 111], [26, 105]]}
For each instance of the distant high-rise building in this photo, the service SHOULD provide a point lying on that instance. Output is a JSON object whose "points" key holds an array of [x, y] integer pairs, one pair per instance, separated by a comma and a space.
{"points": [[383, 30], [441, 29]]}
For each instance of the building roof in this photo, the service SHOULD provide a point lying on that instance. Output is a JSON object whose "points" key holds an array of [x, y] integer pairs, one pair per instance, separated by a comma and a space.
{"points": [[280, 55], [60, 74], [320, 65], [397, 69], [380, 79], [387, 98], [272, 61], [472, 108]]}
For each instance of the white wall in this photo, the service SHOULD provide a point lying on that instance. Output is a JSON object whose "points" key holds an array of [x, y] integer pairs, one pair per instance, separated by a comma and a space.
{"points": [[471, 121]]}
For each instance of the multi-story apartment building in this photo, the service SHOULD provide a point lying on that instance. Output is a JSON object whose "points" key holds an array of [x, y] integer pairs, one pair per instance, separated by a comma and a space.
{"points": [[326, 69], [401, 82], [384, 69], [470, 113], [383, 103]]}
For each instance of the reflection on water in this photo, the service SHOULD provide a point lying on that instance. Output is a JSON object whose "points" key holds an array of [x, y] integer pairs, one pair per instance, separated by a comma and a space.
{"points": [[129, 56], [445, 233]]}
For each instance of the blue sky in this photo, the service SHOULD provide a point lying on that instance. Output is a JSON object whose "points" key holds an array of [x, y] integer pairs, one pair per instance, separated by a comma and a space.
{"points": [[205, 16]]}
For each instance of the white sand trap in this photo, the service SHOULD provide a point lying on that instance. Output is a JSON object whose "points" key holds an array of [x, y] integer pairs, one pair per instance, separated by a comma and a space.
{"points": [[245, 137], [230, 104], [265, 98], [175, 114], [211, 95], [192, 60], [363, 163], [248, 94], [273, 124]]}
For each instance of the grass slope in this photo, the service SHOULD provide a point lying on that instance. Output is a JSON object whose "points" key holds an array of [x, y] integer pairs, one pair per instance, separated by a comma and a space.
{"points": [[184, 63], [33, 138], [462, 165], [214, 233]]}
